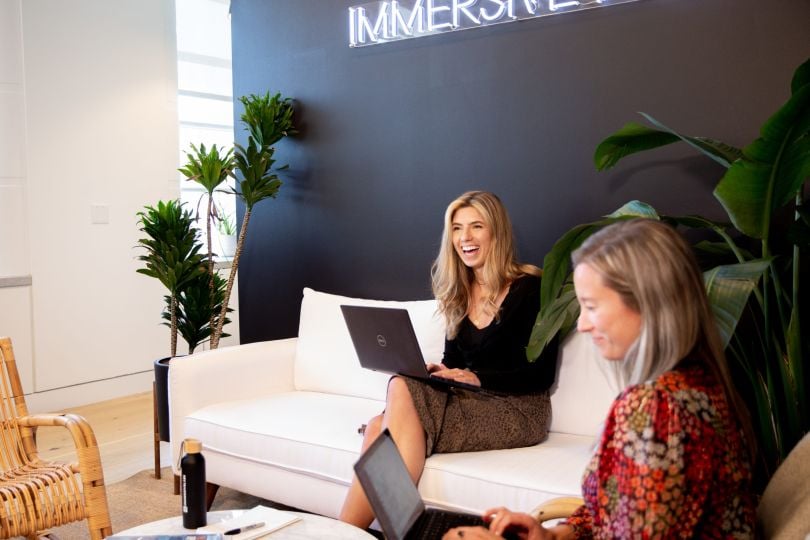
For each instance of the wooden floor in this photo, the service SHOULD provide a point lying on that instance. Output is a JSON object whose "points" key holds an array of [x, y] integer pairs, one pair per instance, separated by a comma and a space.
{"points": [[123, 429]]}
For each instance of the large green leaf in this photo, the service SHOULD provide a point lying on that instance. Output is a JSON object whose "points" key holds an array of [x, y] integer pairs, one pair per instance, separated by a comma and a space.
{"points": [[557, 262], [722, 153], [630, 139], [775, 166], [795, 366], [558, 318], [634, 138], [801, 77], [719, 228], [728, 288], [634, 209], [557, 270]]}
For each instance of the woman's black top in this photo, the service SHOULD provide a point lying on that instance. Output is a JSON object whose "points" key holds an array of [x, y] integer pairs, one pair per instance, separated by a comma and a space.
{"points": [[497, 353]]}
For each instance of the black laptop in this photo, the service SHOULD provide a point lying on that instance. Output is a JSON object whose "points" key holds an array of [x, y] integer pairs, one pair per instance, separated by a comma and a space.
{"points": [[385, 341], [396, 501]]}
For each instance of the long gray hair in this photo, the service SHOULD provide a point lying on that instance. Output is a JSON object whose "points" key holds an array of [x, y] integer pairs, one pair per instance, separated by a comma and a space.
{"points": [[655, 272]]}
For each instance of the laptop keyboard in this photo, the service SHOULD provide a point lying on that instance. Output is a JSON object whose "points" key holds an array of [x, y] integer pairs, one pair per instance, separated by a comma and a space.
{"points": [[433, 524]]}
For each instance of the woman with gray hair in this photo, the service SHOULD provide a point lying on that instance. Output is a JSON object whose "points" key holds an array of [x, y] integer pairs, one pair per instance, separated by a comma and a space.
{"points": [[674, 459]]}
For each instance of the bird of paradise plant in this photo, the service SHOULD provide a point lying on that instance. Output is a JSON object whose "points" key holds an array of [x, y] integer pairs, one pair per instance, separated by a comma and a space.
{"points": [[757, 295]]}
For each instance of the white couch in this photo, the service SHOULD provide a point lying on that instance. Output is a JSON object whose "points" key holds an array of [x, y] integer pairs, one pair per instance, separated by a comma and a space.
{"points": [[279, 419]]}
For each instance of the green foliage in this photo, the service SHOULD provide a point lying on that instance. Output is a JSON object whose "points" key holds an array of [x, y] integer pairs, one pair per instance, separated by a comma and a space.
{"points": [[172, 253], [197, 305], [172, 250], [258, 182], [194, 308], [207, 167], [558, 304], [267, 118], [756, 295]]}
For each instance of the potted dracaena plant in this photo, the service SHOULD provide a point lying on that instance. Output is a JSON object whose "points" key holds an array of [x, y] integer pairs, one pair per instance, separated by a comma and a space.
{"points": [[173, 257], [267, 119], [759, 291]]}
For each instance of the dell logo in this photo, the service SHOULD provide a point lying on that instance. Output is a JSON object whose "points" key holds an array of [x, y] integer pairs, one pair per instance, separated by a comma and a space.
{"points": [[381, 340]]}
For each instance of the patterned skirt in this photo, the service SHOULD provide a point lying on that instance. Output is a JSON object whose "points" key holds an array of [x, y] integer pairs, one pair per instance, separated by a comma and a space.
{"points": [[457, 420]]}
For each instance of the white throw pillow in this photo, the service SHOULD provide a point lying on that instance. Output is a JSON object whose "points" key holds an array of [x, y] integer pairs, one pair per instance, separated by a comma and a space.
{"points": [[325, 359], [584, 391]]}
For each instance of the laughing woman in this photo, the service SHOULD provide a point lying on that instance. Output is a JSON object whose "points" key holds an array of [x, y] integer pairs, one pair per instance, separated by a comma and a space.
{"points": [[489, 302]]}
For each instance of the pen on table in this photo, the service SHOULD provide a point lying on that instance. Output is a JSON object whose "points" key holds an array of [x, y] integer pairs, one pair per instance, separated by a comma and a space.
{"points": [[240, 530]]}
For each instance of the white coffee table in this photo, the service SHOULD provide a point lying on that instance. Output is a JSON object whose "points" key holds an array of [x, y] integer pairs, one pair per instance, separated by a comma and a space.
{"points": [[309, 526]]}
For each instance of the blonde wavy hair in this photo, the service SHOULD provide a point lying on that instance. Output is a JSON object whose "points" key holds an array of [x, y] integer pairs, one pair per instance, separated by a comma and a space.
{"points": [[452, 280], [654, 270]]}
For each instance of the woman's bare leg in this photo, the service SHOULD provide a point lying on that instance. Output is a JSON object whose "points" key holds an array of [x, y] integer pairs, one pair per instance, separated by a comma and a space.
{"points": [[401, 418]]}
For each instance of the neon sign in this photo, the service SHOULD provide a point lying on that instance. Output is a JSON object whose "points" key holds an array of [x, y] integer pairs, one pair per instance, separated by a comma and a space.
{"points": [[392, 20]]}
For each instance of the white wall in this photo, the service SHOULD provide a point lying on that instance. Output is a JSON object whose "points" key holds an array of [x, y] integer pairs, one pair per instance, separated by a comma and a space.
{"points": [[15, 268], [87, 118]]}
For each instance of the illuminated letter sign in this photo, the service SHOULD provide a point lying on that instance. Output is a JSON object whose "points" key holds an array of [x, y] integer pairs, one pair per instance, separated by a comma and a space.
{"points": [[392, 20]]}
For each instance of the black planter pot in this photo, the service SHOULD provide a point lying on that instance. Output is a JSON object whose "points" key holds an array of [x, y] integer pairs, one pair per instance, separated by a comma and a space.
{"points": [[162, 396]]}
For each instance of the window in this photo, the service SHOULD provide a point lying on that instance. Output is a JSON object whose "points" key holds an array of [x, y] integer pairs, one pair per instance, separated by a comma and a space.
{"points": [[205, 95]]}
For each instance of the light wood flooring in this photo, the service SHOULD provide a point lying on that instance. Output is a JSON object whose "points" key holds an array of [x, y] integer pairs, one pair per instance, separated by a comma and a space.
{"points": [[124, 431]]}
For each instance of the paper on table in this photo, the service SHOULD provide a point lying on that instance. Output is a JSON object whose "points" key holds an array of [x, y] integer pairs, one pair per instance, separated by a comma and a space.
{"points": [[273, 520]]}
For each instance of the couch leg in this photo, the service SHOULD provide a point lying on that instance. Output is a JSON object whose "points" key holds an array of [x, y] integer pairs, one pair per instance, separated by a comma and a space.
{"points": [[210, 493], [156, 434]]}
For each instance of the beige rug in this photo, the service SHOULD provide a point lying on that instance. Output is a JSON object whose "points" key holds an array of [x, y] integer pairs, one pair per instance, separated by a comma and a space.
{"points": [[140, 499]]}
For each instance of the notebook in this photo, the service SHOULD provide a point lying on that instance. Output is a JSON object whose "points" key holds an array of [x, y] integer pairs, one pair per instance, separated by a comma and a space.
{"points": [[267, 519], [396, 501], [385, 341]]}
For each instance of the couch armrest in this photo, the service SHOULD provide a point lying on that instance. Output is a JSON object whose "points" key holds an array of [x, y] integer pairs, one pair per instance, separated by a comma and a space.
{"points": [[556, 508], [238, 372]]}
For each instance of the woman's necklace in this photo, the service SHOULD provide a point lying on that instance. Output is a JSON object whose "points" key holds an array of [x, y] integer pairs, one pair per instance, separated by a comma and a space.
{"points": [[479, 311], [482, 311]]}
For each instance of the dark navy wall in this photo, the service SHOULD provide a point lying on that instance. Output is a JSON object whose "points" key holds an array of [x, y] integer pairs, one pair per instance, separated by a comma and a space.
{"points": [[391, 133]]}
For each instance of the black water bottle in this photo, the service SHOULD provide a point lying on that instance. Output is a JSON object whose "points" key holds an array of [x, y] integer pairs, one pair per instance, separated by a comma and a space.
{"points": [[192, 484]]}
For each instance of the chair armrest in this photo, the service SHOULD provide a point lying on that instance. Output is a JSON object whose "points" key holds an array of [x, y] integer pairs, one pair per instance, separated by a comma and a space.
{"points": [[83, 439], [557, 508], [226, 374]]}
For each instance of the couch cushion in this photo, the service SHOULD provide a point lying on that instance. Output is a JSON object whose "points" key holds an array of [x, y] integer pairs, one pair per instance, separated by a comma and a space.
{"points": [[325, 359], [320, 440], [518, 478], [311, 433], [584, 391]]}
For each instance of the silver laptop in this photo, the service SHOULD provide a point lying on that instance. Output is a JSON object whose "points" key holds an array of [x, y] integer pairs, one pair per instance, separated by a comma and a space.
{"points": [[396, 501], [385, 341]]}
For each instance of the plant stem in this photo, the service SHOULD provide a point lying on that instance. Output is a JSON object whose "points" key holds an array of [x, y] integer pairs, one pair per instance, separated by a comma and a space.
{"points": [[240, 242], [210, 258], [173, 330], [797, 367]]}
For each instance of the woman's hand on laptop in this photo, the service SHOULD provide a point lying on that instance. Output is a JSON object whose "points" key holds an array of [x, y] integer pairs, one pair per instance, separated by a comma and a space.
{"points": [[459, 375], [433, 368]]}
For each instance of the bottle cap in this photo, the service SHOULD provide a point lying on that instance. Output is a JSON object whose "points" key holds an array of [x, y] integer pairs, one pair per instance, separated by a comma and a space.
{"points": [[192, 446]]}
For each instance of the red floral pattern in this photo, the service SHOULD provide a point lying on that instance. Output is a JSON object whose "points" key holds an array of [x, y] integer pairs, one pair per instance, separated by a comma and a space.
{"points": [[671, 464]]}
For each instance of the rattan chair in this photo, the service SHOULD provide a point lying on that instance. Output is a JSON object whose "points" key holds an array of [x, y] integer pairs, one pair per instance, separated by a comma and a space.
{"points": [[36, 495]]}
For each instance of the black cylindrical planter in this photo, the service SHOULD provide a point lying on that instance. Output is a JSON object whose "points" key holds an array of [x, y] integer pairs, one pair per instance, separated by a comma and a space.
{"points": [[162, 396]]}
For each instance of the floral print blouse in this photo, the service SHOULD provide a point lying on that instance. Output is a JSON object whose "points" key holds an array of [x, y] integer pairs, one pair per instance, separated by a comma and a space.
{"points": [[671, 463]]}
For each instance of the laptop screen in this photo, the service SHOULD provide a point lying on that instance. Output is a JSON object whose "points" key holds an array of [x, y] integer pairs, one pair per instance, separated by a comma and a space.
{"points": [[393, 496]]}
